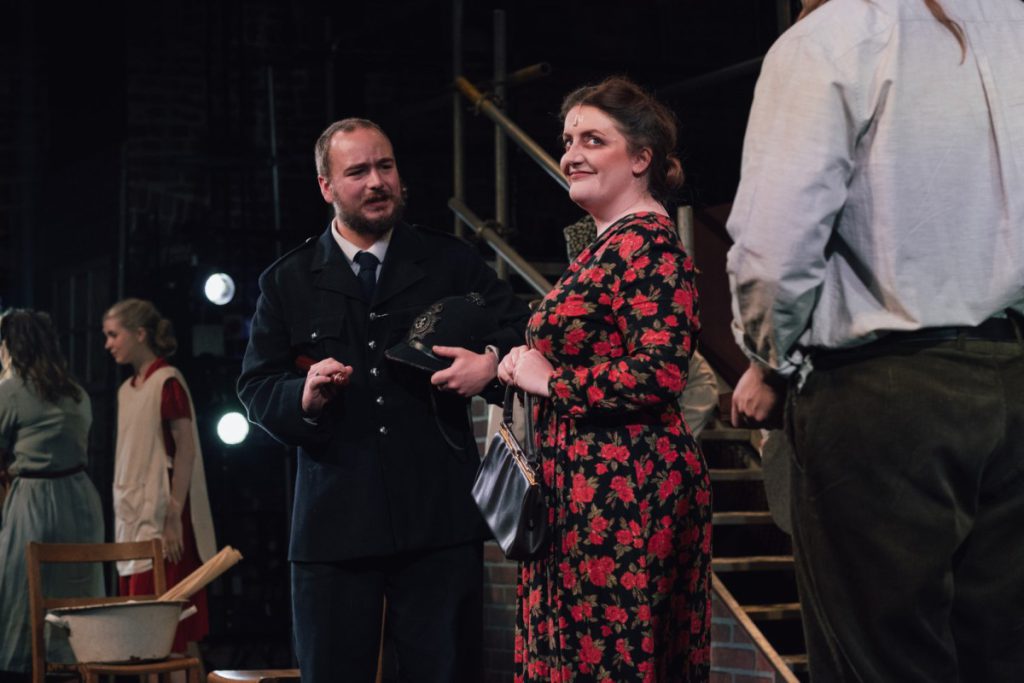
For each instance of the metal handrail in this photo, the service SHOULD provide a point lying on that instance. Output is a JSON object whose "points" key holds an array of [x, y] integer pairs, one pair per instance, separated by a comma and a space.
{"points": [[521, 76], [746, 68], [525, 142], [532, 276], [501, 193]]}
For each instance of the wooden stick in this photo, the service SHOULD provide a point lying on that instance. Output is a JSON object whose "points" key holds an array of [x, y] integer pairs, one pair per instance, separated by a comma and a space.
{"points": [[227, 558], [204, 575]]}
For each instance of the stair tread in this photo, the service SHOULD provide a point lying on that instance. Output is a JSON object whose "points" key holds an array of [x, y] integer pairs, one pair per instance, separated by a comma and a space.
{"points": [[752, 562], [742, 517], [774, 612], [796, 662], [737, 474], [728, 434], [760, 607]]}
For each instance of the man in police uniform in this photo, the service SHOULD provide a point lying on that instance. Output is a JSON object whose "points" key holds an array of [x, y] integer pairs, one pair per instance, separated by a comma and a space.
{"points": [[387, 454]]}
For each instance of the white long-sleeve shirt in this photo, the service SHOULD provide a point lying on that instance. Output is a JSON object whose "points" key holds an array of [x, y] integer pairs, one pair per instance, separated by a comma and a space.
{"points": [[882, 184]]}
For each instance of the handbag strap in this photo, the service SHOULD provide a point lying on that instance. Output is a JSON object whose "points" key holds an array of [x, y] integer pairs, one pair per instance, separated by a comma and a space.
{"points": [[529, 449]]}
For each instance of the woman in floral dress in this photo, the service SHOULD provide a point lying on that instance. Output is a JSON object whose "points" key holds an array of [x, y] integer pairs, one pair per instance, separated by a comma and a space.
{"points": [[622, 592]]}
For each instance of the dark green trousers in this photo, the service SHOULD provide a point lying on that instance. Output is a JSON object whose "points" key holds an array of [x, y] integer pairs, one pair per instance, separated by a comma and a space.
{"points": [[908, 512]]}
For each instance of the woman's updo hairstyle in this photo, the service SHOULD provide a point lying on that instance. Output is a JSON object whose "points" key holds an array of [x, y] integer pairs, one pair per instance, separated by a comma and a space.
{"points": [[644, 121], [139, 313]]}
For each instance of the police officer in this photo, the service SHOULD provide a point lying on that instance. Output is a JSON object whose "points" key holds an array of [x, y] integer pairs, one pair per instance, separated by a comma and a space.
{"points": [[386, 452]]}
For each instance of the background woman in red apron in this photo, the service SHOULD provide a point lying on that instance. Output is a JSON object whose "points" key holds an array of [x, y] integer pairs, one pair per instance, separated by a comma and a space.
{"points": [[159, 483]]}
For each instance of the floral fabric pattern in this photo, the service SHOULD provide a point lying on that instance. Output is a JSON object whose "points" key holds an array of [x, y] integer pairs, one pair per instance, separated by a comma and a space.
{"points": [[623, 592]]}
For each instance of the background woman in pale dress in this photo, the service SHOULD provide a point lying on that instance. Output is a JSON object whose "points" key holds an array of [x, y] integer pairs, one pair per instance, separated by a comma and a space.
{"points": [[159, 484]]}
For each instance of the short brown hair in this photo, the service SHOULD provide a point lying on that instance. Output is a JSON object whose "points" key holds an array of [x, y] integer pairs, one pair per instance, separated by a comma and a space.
{"points": [[323, 143]]}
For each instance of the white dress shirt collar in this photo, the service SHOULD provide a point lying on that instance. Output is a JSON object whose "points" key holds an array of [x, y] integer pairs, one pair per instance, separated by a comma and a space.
{"points": [[378, 248]]}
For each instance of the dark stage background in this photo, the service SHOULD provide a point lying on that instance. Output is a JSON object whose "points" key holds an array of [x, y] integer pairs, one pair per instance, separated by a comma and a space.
{"points": [[138, 144]]}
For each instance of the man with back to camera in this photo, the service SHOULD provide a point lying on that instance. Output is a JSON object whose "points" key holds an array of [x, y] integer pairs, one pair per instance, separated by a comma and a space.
{"points": [[879, 261], [387, 454]]}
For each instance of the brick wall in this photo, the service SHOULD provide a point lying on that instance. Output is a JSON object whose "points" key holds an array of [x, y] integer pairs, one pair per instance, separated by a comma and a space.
{"points": [[734, 656], [499, 588], [499, 614]]}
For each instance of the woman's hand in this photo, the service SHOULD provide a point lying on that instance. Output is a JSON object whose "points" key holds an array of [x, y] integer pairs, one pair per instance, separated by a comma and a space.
{"points": [[506, 368], [173, 536], [527, 369]]}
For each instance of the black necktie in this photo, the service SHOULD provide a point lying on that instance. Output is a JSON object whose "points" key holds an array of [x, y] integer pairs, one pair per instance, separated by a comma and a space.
{"points": [[367, 274]]}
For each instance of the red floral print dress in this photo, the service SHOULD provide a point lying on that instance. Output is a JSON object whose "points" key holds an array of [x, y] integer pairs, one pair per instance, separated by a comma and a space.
{"points": [[623, 593]]}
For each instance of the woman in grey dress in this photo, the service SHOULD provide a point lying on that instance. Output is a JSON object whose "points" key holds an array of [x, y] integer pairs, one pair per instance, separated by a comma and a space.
{"points": [[44, 427]]}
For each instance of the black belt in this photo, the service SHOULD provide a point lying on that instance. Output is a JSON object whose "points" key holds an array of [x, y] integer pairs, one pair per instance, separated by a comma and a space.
{"points": [[993, 329], [50, 474]]}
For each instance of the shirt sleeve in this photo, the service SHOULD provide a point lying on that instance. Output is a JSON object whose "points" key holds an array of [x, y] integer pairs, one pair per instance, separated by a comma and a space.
{"points": [[653, 306], [700, 397], [174, 402], [797, 163], [173, 406]]}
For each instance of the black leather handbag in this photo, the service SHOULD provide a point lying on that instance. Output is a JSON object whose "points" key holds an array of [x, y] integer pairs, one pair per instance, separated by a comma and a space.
{"points": [[507, 488]]}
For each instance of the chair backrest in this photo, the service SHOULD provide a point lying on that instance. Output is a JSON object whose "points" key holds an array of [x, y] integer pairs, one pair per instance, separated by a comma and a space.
{"points": [[37, 554]]}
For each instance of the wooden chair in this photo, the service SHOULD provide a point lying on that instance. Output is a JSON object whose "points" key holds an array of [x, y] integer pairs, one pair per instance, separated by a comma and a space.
{"points": [[39, 553]]}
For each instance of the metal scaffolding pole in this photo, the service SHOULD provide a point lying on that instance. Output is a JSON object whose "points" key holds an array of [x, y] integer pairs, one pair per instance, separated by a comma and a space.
{"points": [[532, 276], [501, 210], [750, 66], [525, 142], [458, 153], [275, 180]]}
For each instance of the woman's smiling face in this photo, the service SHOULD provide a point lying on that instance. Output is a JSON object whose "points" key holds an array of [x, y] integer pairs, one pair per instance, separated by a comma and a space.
{"points": [[597, 161]]}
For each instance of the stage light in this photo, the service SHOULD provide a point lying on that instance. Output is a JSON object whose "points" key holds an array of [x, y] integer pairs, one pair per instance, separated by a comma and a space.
{"points": [[232, 428], [219, 288]]}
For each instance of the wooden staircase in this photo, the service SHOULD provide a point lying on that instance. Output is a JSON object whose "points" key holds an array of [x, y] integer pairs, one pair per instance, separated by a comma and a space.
{"points": [[752, 558]]}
